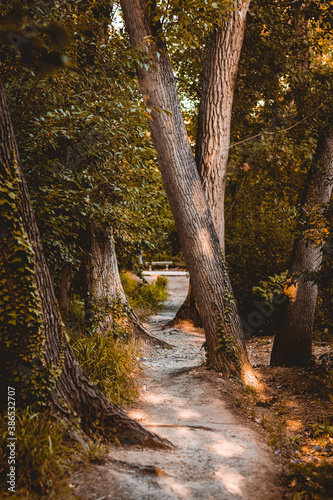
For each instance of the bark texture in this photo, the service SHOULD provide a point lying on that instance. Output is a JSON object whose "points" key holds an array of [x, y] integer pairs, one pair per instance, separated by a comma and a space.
{"points": [[65, 298], [214, 121], [224, 337], [188, 311], [293, 341], [73, 391], [104, 290]]}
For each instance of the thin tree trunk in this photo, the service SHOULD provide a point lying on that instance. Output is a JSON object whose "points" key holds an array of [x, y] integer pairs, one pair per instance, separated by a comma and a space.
{"points": [[214, 121], [224, 336], [73, 391], [65, 298], [293, 341]]}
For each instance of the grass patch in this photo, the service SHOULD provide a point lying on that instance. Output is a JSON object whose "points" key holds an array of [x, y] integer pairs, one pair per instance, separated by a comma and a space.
{"points": [[46, 456], [145, 299], [109, 363]]}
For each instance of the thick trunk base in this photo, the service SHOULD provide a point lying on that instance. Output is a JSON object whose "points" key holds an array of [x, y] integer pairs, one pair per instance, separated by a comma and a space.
{"points": [[293, 340], [76, 395], [187, 312]]}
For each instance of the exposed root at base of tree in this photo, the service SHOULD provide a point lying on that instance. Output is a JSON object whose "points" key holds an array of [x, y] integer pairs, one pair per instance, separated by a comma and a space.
{"points": [[76, 395], [142, 332]]}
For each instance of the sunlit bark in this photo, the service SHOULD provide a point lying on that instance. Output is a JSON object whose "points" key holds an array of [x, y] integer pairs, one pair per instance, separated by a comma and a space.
{"points": [[213, 136], [224, 337]]}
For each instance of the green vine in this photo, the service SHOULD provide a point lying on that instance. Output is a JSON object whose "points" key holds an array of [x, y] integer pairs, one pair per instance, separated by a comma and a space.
{"points": [[226, 342], [22, 333]]}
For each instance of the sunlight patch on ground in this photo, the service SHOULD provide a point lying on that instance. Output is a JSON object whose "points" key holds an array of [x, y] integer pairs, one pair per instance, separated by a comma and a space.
{"points": [[232, 481], [226, 448], [138, 414], [294, 424], [189, 414], [176, 488]]}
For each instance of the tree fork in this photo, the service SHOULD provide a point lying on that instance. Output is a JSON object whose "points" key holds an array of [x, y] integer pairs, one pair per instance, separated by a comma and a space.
{"points": [[214, 121], [224, 336]]}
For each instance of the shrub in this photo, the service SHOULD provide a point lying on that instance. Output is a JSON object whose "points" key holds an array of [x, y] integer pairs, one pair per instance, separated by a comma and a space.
{"points": [[145, 299], [110, 363]]}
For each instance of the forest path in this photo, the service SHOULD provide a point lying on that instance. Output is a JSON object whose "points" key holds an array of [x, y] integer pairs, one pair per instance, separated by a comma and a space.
{"points": [[216, 456]]}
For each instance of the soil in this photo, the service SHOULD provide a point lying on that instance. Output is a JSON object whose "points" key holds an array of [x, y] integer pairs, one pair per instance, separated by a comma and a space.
{"points": [[218, 452]]}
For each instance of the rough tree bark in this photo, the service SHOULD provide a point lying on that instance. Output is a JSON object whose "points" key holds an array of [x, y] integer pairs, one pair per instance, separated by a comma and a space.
{"points": [[65, 298], [293, 341], [73, 391], [104, 289], [226, 350], [214, 121]]}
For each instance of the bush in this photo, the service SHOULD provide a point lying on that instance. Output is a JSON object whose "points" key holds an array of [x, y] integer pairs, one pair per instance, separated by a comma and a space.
{"points": [[45, 456], [109, 363], [145, 299]]}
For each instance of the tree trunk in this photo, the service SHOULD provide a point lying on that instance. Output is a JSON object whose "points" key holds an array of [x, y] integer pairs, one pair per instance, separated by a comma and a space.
{"points": [[65, 298], [188, 311], [73, 392], [214, 121], [293, 341], [224, 336], [105, 298]]}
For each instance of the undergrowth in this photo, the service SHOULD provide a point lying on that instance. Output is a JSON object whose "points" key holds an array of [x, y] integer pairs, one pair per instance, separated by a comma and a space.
{"points": [[45, 456], [145, 299], [109, 363]]}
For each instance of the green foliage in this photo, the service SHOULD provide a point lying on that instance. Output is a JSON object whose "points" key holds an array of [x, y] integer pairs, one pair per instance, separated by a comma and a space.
{"points": [[273, 286], [111, 364], [45, 456], [84, 142], [22, 334], [145, 299]]}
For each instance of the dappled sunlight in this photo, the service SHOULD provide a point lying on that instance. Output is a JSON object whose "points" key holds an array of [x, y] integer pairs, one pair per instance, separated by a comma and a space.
{"points": [[189, 414], [204, 237], [137, 414], [176, 487], [232, 481], [251, 379], [294, 425], [290, 289], [225, 448]]}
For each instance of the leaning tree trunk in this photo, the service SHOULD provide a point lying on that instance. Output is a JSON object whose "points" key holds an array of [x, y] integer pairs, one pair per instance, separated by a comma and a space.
{"points": [[105, 299], [214, 121], [224, 337], [293, 341], [73, 392]]}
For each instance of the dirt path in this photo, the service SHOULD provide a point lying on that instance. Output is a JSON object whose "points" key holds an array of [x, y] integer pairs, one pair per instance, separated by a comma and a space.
{"points": [[216, 456]]}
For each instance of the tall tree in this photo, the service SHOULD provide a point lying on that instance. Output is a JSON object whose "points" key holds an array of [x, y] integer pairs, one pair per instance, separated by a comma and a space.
{"points": [[73, 393], [293, 341], [224, 337], [214, 121]]}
